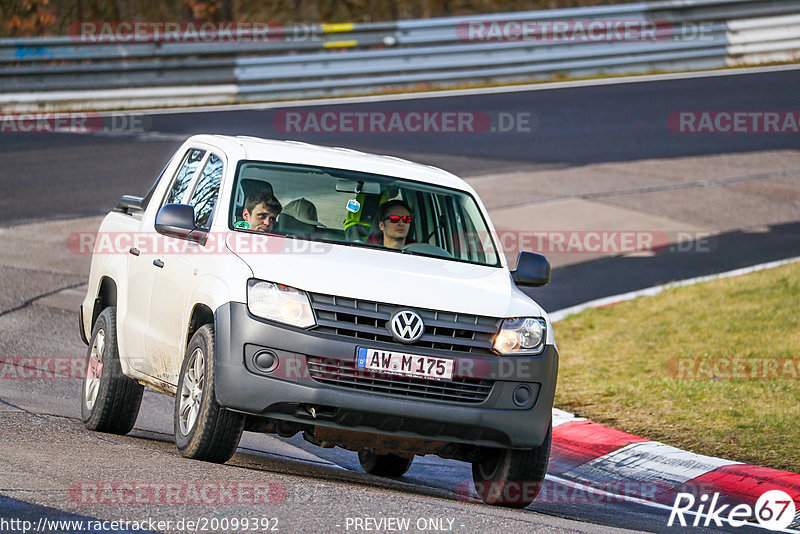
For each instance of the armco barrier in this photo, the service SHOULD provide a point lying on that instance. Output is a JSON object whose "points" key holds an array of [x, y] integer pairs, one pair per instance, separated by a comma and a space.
{"points": [[335, 59], [763, 40]]}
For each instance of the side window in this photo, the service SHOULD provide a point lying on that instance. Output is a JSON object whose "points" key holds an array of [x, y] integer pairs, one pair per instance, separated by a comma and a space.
{"points": [[206, 192], [184, 176]]}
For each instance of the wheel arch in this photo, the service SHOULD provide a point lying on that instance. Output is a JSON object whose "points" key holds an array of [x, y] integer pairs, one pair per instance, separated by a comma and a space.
{"points": [[201, 315], [106, 297], [209, 293]]}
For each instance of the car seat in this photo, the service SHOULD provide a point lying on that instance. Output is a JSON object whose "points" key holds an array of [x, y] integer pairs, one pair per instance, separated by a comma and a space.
{"points": [[299, 216]]}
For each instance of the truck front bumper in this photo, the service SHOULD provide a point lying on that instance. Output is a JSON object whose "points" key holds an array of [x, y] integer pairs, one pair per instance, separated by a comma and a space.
{"points": [[507, 401]]}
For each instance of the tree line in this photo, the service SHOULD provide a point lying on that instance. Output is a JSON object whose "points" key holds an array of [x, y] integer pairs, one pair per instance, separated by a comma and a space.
{"points": [[24, 18]]}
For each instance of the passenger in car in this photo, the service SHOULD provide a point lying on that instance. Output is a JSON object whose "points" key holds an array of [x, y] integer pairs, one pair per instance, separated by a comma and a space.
{"points": [[261, 210], [359, 224], [394, 223]]}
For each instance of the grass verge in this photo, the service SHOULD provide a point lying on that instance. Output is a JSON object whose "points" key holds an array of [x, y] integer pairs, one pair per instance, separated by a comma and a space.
{"points": [[713, 368]]}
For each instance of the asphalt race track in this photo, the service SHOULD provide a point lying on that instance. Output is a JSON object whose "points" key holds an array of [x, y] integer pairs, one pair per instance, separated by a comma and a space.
{"points": [[568, 127], [63, 176]]}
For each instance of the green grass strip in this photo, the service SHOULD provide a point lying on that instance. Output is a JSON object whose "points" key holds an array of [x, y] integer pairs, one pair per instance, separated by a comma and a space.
{"points": [[713, 368]]}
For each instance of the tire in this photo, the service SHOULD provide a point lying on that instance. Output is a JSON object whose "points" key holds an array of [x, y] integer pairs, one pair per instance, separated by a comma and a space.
{"points": [[512, 478], [203, 429], [384, 465], [109, 400]]}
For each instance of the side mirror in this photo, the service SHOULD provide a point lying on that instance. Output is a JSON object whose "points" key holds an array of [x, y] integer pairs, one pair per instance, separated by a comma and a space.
{"points": [[129, 203], [533, 270], [177, 220]]}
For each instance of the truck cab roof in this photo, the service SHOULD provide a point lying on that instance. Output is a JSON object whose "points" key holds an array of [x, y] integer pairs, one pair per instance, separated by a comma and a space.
{"points": [[299, 152]]}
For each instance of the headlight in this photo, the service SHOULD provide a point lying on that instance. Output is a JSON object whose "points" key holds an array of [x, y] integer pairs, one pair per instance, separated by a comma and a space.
{"points": [[521, 335], [279, 303]]}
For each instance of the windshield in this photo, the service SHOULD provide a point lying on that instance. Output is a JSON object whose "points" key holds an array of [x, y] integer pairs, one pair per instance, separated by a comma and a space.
{"points": [[360, 209]]}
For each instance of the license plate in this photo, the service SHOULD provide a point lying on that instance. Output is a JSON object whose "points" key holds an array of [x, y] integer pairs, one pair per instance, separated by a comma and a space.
{"points": [[400, 363]]}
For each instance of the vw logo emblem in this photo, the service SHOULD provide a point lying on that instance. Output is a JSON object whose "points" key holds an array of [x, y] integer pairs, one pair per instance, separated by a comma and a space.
{"points": [[406, 326]]}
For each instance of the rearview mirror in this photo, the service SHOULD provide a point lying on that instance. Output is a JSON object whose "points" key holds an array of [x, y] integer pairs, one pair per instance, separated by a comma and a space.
{"points": [[533, 270], [177, 220], [356, 187]]}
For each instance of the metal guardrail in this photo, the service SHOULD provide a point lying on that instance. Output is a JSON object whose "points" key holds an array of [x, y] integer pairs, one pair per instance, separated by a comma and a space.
{"points": [[337, 59], [300, 38], [764, 39], [439, 30]]}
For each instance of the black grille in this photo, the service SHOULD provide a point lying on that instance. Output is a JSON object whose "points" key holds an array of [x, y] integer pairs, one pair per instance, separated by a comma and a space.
{"points": [[364, 319], [345, 374]]}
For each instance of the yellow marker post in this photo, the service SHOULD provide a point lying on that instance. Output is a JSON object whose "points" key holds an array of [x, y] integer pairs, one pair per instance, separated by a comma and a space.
{"points": [[339, 44], [337, 28]]}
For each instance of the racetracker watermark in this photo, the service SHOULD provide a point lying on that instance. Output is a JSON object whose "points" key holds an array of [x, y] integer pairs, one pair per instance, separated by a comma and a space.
{"points": [[566, 492], [733, 368], [404, 122], [593, 241], [577, 31], [734, 122], [408, 366], [177, 493], [178, 31], [77, 122], [42, 367], [214, 243], [511, 242]]}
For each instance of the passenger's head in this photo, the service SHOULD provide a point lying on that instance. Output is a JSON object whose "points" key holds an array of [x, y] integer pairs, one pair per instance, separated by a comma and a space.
{"points": [[261, 210], [394, 220]]}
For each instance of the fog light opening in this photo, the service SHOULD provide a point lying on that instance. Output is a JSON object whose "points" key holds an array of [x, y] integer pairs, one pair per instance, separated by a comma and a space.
{"points": [[522, 395], [265, 361]]}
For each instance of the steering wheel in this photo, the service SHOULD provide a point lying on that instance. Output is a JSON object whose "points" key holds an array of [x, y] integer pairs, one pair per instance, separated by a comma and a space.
{"points": [[426, 248]]}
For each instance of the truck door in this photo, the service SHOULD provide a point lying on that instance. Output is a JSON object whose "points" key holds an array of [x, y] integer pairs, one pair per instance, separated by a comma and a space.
{"points": [[173, 284], [142, 268]]}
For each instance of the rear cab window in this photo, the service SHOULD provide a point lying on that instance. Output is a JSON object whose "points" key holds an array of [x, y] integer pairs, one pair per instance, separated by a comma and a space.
{"points": [[187, 170], [206, 192]]}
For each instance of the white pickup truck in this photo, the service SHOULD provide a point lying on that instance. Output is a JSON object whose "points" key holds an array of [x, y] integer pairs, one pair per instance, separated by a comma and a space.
{"points": [[363, 300]]}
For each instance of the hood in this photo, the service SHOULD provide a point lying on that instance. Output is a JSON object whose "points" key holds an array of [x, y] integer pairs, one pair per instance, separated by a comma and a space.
{"points": [[383, 276]]}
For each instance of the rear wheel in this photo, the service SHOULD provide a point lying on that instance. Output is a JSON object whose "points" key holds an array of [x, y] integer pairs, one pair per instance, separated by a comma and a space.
{"points": [[203, 429], [512, 478], [109, 400], [384, 465]]}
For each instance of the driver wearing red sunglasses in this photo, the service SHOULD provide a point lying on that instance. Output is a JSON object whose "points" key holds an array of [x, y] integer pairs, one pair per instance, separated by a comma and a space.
{"points": [[394, 222]]}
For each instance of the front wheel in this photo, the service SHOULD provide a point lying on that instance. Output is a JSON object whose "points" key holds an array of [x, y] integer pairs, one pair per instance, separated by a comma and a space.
{"points": [[512, 478], [203, 429], [109, 400], [384, 465]]}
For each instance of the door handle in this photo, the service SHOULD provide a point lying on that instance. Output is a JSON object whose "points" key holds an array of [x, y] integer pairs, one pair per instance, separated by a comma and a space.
{"points": [[158, 263], [134, 251]]}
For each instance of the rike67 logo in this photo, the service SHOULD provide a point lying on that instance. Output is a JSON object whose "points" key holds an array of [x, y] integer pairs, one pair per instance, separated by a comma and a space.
{"points": [[774, 510]]}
